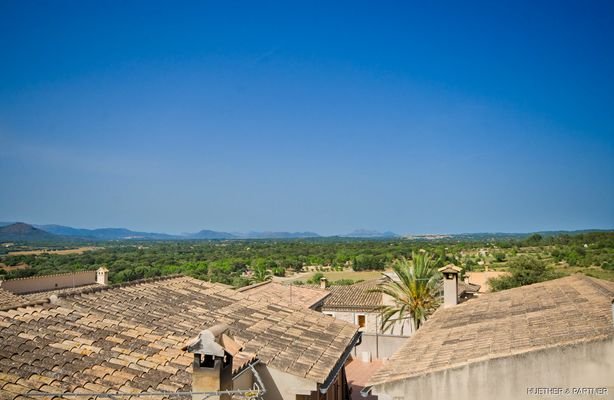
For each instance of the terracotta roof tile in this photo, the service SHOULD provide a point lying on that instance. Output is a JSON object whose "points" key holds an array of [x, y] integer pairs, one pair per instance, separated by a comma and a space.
{"points": [[308, 297], [359, 296], [130, 337], [10, 300], [549, 314]]}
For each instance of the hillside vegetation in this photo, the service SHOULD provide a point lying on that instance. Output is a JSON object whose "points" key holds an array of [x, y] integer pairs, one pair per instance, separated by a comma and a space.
{"points": [[230, 261]]}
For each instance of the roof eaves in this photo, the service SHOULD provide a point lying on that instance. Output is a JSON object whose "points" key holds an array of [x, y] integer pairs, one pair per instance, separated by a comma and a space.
{"points": [[493, 357], [356, 340]]}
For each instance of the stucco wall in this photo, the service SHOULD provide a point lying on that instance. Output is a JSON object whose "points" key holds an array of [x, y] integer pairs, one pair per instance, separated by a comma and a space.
{"points": [[587, 365], [280, 385], [381, 347], [373, 322], [245, 381], [49, 282]]}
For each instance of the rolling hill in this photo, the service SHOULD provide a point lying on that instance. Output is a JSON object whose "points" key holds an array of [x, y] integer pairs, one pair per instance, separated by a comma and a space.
{"points": [[20, 232]]}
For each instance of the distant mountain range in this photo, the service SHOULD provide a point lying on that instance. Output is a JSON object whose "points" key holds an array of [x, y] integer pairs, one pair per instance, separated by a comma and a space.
{"points": [[365, 233], [21, 232], [10, 231]]}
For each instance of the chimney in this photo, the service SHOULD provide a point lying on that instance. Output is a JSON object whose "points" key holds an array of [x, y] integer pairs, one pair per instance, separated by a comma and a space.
{"points": [[212, 366], [102, 276], [323, 283], [450, 284]]}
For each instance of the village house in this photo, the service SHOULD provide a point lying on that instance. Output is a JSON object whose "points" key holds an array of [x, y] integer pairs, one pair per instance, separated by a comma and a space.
{"points": [[172, 334], [269, 291], [359, 304], [528, 342]]}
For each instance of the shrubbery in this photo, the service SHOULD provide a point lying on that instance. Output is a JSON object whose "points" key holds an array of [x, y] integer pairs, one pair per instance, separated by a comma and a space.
{"points": [[524, 271]]}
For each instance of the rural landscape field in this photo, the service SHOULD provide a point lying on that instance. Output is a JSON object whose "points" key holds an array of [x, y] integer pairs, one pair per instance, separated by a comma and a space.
{"points": [[340, 260]]}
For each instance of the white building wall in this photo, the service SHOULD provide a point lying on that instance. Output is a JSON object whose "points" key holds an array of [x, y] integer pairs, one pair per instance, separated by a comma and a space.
{"points": [[378, 344], [49, 282], [585, 365], [373, 322], [282, 386]]}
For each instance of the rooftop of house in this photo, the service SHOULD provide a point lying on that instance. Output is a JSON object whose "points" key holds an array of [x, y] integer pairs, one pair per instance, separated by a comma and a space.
{"points": [[129, 337], [362, 297], [359, 296], [305, 296], [550, 314], [467, 288], [10, 300], [45, 294]]}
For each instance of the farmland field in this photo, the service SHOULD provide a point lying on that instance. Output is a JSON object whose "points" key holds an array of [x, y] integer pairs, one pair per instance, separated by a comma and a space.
{"points": [[78, 250]]}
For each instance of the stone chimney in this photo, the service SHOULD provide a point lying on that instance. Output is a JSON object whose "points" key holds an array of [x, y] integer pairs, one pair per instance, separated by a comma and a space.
{"points": [[450, 284], [323, 282], [102, 276], [212, 366]]}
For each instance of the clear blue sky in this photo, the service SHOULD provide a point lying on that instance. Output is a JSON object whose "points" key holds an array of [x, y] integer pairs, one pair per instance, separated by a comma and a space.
{"points": [[411, 117]]}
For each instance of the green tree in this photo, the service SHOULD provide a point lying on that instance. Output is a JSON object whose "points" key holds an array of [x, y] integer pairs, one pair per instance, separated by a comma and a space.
{"points": [[414, 289], [315, 279], [524, 271], [534, 239]]}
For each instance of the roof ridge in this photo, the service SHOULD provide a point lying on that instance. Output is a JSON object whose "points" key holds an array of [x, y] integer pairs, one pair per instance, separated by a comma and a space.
{"points": [[599, 284], [89, 290], [31, 303], [253, 285]]}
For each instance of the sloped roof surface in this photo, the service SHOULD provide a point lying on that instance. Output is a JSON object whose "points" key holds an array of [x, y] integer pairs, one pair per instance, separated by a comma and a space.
{"points": [[44, 295], [549, 314], [129, 338], [271, 292], [10, 300], [467, 287], [356, 296]]}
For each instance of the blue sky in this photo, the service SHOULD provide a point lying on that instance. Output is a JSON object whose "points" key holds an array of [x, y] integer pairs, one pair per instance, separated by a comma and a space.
{"points": [[411, 117]]}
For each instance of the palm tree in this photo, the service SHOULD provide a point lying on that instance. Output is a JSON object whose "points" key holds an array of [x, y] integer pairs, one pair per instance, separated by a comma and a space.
{"points": [[415, 290], [261, 273]]}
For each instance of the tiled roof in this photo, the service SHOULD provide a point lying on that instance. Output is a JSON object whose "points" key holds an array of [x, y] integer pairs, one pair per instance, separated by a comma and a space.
{"points": [[44, 295], [358, 296], [10, 300], [129, 337], [467, 288], [549, 314], [307, 297]]}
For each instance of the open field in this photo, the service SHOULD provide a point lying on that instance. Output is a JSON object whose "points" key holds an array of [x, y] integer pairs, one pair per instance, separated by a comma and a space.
{"points": [[79, 250], [13, 267], [480, 278], [595, 272]]}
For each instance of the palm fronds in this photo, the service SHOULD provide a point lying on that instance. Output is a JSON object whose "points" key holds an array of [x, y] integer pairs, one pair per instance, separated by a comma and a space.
{"points": [[413, 288]]}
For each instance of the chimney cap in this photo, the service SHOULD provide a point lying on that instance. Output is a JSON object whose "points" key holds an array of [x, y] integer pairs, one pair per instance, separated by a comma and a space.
{"points": [[450, 268], [207, 341]]}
